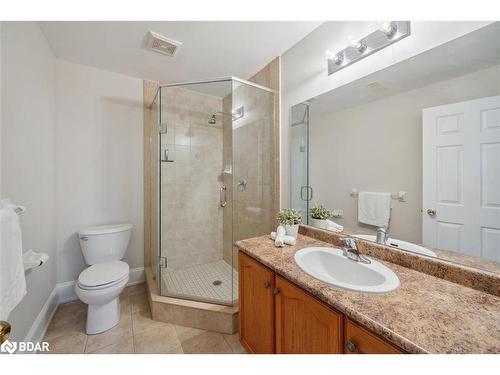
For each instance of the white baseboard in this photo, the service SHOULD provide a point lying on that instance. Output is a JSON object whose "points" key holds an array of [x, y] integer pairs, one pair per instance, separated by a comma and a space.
{"points": [[62, 293], [136, 276], [39, 326], [66, 292]]}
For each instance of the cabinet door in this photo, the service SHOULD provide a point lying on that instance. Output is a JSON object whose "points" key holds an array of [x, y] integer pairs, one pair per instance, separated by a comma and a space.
{"points": [[360, 341], [256, 285], [304, 325]]}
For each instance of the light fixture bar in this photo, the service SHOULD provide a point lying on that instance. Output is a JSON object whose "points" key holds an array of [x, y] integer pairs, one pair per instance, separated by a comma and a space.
{"points": [[389, 33]]}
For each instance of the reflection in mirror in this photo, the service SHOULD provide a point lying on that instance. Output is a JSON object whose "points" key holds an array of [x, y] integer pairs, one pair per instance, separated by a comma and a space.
{"points": [[410, 155]]}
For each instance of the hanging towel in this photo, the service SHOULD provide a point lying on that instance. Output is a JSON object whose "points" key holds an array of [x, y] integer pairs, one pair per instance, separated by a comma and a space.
{"points": [[12, 280], [374, 208]]}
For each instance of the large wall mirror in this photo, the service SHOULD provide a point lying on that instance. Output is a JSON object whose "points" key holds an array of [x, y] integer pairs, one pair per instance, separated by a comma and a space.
{"points": [[423, 135]]}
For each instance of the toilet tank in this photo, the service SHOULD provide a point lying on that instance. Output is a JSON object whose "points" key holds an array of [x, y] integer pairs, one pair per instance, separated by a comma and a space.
{"points": [[104, 243]]}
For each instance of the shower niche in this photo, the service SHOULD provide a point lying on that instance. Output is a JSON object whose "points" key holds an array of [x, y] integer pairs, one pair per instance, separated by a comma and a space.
{"points": [[215, 184]]}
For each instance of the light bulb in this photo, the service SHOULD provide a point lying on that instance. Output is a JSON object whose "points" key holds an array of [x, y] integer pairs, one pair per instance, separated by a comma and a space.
{"points": [[329, 55], [389, 29], [358, 44], [337, 58]]}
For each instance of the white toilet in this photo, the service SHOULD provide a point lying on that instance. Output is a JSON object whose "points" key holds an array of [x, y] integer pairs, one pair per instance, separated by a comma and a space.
{"points": [[100, 285]]}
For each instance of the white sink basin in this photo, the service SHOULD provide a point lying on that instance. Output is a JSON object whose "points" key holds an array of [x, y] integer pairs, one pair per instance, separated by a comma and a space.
{"points": [[331, 266], [399, 244]]}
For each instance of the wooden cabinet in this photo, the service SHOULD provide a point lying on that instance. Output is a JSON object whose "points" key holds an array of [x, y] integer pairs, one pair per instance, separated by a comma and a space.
{"points": [[358, 340], [277, 316], [305, 325], [256, 286]]}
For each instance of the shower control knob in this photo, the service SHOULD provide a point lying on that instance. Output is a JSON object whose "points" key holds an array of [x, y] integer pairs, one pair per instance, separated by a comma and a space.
{"points": [[267, 284]]}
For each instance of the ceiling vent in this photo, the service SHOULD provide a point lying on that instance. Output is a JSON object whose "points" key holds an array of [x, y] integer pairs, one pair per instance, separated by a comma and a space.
{"points": [[159, 43]]}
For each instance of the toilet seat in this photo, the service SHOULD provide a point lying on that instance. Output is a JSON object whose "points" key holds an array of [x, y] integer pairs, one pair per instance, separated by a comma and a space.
{"points": [[103, 275]]}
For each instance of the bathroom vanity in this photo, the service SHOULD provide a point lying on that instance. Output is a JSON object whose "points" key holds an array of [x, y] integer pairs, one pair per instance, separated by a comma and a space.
{"points": [[285, 310], [277, 316]]}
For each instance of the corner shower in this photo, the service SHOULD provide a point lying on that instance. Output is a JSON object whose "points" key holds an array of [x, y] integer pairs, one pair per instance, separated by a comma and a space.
{"points": [[215, 183]]}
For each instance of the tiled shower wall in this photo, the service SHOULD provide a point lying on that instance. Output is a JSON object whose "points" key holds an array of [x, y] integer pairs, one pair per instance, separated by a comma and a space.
{"points": [[253, 161], [191, 216]]}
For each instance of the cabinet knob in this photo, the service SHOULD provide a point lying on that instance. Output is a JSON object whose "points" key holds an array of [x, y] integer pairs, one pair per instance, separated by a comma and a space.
{"points": [[276, 291], [351, 346], [267, 284]]}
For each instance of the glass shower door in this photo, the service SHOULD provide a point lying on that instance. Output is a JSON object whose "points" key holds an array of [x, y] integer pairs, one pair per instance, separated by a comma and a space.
{"points": [[300, 190], [195, 192]]}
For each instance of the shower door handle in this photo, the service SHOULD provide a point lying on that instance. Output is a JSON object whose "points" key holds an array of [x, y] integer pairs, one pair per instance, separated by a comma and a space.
{"points": [[223, 198]]}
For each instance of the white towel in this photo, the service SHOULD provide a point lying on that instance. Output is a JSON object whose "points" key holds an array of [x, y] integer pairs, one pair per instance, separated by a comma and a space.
{"points": [[279, 241], [374, 208], [289, 240], [333, 226], [12, 280]]}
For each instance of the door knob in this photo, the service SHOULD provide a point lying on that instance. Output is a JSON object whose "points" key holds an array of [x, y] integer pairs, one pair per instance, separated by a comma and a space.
{"points": [[431, 212], [4, 331]]}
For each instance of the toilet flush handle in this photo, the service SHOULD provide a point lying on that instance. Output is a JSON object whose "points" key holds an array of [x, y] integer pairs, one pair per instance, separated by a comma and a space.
{"points": [[84, 238]]}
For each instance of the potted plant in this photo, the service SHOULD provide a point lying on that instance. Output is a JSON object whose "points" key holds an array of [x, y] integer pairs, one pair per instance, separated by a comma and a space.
{"points": [[319, 214], [290, 219]]}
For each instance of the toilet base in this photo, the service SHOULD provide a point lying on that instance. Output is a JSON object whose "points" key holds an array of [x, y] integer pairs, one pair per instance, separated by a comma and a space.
{"points": [[100, 318]]}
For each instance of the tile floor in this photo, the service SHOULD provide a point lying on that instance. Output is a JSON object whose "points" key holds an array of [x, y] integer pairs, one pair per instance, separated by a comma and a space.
{"points": [[197, 282], [135, 333]]}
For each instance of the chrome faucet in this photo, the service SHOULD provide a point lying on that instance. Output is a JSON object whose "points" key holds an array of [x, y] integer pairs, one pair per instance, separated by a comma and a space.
{"points": [[351, 252], [382, 235]]}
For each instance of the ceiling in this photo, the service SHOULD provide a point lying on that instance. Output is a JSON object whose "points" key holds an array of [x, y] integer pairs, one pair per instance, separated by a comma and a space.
{"points": [[210, 49]]}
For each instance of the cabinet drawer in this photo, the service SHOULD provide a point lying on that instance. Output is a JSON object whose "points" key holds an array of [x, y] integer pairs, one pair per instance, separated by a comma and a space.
{"points": [[358, 340]]}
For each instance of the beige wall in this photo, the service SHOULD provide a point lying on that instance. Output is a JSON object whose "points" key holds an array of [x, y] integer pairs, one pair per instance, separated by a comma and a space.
{"points": [[378, 147], [150, 165]]}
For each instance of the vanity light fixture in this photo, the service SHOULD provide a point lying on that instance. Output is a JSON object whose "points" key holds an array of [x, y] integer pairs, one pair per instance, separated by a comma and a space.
{"points": [[387, 34]]}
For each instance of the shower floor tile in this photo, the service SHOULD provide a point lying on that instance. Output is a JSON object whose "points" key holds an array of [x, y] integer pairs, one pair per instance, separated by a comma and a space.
{"points": [[201, 283]]}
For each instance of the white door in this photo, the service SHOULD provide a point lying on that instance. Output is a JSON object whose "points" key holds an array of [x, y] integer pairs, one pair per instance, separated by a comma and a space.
{"points": [[461, 177]]}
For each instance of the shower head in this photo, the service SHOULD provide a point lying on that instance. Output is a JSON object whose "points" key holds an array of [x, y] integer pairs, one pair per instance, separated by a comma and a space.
{"points": [[235, 115]]}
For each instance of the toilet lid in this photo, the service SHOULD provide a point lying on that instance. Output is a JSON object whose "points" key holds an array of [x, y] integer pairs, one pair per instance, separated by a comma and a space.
{"points": [[104, 229], [103, 273]]}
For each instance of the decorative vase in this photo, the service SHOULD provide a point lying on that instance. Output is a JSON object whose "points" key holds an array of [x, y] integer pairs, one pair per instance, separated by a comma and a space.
{"points": [[292, 230], [318, 223]]}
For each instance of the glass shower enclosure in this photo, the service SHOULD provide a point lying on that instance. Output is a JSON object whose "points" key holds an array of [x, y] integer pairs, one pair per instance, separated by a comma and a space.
{"points": [[215, 183]]}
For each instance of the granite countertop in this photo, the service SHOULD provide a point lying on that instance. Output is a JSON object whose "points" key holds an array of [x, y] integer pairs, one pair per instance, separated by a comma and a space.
{"points": [[425, 314]]}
